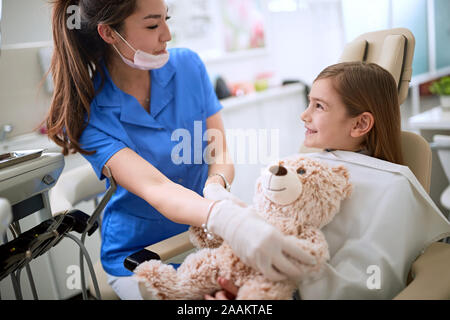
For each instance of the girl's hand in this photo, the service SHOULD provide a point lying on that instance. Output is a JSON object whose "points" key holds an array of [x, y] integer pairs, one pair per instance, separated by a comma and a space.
{"points": [[229, 291]]}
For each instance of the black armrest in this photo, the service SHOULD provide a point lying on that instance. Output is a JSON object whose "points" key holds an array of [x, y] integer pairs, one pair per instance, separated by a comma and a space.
{"points": [[163, 250], [132, 261]]}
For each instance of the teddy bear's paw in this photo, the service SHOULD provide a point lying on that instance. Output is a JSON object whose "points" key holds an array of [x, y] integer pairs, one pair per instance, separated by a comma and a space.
{"points": [[157, 278]]}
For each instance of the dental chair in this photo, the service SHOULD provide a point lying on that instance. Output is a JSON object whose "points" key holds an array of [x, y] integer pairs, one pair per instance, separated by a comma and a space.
{"points": [[394, 50], [429, 276], [441, 143]]}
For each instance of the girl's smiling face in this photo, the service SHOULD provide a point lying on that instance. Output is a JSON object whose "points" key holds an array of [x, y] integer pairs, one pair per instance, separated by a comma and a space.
{"points": [[328, 126]]}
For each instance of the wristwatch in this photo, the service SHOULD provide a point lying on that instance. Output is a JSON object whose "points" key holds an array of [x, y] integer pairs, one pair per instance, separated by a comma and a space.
{"points": [[225, 181]]}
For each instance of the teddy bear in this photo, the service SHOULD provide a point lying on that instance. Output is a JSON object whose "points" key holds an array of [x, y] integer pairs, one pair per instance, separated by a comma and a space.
{"points": [[299, 196]]}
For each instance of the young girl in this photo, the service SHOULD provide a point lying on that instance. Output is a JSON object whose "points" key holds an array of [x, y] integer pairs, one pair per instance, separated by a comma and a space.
{"points": [[119, 96], [354, 116]]}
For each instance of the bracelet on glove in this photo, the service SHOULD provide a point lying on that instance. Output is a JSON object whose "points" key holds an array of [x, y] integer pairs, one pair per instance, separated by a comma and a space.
{"points": [[225, 181], [209, 235]]}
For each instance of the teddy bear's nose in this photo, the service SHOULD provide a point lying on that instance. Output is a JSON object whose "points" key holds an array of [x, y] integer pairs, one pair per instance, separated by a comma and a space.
{"points": [[279, 171]]}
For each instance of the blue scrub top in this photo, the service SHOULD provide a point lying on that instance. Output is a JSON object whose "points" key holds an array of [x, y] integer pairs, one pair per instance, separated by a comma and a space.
{"points": [[181, 93]]}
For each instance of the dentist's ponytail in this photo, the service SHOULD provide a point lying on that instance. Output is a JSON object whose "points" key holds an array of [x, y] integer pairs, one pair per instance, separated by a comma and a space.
{"points": [[77, 54]]}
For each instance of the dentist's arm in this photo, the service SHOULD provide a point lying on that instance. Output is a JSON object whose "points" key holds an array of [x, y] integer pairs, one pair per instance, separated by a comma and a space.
{"points": [[255, 241], [218, 157], [220, 162], [174, 201]]}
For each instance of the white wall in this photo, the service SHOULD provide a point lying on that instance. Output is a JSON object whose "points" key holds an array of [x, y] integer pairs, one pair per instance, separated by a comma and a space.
{"points": [[25, 21], [23, 103], [299, 45], [26, 24], [304, 42]]}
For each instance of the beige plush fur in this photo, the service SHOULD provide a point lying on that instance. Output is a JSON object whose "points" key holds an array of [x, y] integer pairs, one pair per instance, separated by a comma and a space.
{"points": [[322, 190]]}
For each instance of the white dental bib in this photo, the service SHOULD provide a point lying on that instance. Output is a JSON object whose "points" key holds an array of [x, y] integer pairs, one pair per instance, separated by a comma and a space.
{"points": [[381, 229]]}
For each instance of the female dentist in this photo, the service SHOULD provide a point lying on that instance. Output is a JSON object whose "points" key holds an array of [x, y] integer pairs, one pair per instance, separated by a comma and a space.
{"points": [[120, 98]]}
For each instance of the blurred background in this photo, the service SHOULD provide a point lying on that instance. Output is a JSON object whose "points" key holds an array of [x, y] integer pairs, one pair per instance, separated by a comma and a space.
{"points": [[251, 44]]}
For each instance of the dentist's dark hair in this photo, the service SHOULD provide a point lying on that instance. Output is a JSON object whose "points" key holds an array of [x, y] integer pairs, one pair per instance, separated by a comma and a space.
{"points": [[367, 87], [77, 54]]}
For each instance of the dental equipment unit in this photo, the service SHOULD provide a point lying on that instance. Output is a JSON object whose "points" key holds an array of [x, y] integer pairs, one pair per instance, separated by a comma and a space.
{"points": [[25, 180]]}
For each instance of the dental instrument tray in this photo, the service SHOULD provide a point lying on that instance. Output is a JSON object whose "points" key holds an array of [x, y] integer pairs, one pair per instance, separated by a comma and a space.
{"points": [[15, 157]]}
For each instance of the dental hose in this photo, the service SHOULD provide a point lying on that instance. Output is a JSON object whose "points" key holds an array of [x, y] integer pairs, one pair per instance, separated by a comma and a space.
{"points": [[91, 221]]}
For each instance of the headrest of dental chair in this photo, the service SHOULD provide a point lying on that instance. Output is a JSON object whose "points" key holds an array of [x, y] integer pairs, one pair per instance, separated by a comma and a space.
{"points": [[391, 49]]}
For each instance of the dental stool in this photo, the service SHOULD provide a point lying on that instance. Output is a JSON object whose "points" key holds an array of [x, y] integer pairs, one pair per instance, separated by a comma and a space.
{"points": [[442, 144], [75, 186]]}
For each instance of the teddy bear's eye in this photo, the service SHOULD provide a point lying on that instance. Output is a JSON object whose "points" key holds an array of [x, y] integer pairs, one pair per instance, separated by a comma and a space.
{"points": [[301, 171]]}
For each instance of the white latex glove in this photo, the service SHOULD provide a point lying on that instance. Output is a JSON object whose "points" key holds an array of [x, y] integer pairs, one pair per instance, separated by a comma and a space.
{"points": [[215, 191], [256, 242]]}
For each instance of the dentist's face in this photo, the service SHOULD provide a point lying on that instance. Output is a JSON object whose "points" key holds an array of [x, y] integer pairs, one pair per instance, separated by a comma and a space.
{"points": [[146, 29], [326, 121]]}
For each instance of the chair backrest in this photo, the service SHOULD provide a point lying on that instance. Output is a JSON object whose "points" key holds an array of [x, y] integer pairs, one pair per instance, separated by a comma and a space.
{"points": [[393, 49], [442, 144], [431, 277], [417, 156]]}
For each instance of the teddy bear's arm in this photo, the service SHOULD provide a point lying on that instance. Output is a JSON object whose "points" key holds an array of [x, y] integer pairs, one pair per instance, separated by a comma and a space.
{"points": [[198, 238], [312, 240]]}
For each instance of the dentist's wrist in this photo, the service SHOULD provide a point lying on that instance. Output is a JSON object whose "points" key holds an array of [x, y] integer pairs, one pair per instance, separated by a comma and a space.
{"points": [[204, 226], [215, 180], [220, 179]]}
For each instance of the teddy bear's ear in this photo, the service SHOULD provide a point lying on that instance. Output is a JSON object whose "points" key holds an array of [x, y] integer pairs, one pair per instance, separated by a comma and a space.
{"points": [[343, 172]]}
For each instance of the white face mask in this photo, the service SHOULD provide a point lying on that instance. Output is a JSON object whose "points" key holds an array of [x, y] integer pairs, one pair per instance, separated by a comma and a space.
{"points": [[143, 60]]}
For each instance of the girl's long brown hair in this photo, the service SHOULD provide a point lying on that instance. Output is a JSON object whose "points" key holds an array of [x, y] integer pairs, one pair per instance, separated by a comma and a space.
{"points": [[77, 54], [367, 87]]}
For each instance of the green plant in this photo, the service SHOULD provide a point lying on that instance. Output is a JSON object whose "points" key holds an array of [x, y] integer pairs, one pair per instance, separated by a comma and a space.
{"points": [[441, 86]]}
